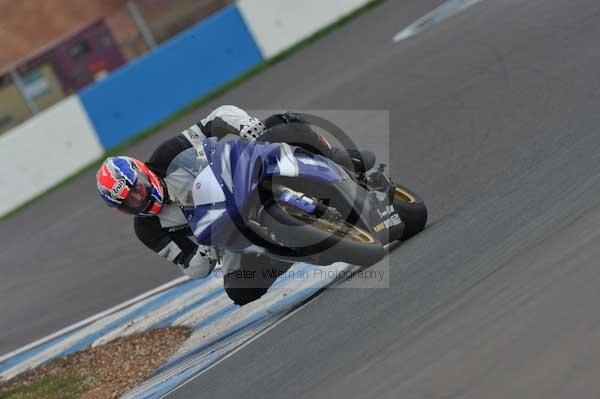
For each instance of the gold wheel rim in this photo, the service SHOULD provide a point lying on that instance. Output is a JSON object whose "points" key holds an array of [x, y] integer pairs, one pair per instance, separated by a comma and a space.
{"points": [[403, 195], [340, 229]]}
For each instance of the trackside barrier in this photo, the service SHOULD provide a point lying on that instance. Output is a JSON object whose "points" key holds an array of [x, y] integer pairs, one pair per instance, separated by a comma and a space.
{"points": [[55, 144], [190, 65], [44, 150], [279, 24]]}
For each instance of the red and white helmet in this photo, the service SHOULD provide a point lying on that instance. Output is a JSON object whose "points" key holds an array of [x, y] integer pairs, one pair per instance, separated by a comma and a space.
{"points": [[129, 185]]}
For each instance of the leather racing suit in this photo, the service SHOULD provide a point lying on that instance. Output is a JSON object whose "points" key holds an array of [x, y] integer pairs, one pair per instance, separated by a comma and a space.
{"points": [[169, 233]]}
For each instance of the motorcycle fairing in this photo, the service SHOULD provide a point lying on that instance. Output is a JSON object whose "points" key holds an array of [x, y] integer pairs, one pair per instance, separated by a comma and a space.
{"points": [[221, 223], [207, 189]]}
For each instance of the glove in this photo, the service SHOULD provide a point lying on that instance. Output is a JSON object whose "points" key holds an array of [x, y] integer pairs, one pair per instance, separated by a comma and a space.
{"points": [[201, 264], [252, 129]]}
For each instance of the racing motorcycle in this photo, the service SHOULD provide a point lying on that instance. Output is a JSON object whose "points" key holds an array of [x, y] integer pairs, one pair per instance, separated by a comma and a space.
{"points": [[289, 203]]}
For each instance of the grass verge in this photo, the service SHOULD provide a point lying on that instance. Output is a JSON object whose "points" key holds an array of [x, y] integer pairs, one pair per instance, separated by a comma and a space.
{"points": [[64, 386], [105, 371], [198, 103]]}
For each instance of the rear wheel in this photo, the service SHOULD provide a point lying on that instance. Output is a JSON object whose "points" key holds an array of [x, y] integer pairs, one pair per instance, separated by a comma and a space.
{"points": [[411, 209], [325, 240]]}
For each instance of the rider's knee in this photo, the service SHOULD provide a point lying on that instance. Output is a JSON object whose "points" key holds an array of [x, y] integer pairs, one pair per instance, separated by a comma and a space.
{"points": [[243, 296]]}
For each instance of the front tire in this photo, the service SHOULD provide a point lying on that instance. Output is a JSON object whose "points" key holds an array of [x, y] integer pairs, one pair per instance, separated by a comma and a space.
{"points": [[411, 209]]}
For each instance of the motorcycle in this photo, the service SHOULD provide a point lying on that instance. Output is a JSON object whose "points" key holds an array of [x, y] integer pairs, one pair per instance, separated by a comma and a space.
{"points": [[291, 204]]}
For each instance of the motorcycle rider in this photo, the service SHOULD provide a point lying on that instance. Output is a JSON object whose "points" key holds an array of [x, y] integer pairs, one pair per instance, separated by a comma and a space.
{"points": [[149, 191]]}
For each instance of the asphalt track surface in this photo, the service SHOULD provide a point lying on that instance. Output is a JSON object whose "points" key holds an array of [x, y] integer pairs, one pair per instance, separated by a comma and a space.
{"points": [[495, 123]]}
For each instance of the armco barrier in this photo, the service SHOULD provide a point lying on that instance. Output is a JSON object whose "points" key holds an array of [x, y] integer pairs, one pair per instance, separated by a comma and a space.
{"points": [[184, 69], [279, 24], [53, 145], [44, 150]]}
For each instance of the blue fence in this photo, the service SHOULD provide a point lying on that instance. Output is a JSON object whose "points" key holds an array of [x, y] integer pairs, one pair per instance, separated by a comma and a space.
{"points": [[185, 68]]}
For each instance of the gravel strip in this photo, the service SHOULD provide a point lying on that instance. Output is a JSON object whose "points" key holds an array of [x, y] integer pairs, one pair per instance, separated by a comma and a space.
{"points": [[112, 369]]}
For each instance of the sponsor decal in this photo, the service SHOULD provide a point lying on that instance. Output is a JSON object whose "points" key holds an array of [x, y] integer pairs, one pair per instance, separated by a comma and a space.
{"points": [[387, 211], [117, 188], [394, 220], [313, 162]]}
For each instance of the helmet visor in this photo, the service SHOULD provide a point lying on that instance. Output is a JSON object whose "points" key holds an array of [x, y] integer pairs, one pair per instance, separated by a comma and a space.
{"points": [[139, 198]]}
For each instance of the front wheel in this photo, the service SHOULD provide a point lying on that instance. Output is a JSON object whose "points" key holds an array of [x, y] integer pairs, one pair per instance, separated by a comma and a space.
{"points": [[411, 209], [323, 240]]}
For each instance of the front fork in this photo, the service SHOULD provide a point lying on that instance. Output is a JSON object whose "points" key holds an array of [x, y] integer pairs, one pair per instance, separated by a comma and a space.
{"points": [[390, 226]]}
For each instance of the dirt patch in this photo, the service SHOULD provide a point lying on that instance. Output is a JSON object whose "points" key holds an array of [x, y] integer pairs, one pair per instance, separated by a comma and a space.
{"points": [[107, 371]]}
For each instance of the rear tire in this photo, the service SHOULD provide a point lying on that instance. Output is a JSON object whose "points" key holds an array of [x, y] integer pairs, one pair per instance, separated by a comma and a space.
{"points": [[412, 211], [324, 241]]}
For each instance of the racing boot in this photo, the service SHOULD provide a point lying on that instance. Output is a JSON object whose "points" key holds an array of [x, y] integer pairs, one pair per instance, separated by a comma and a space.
{"points": [[359, 161]]}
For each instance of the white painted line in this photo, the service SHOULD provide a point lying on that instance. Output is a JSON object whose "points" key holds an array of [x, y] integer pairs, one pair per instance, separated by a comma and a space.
{"points": [[145, 321], [94, 318], [446, 10], [52, 351], [243, 345], [253, 338]]}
